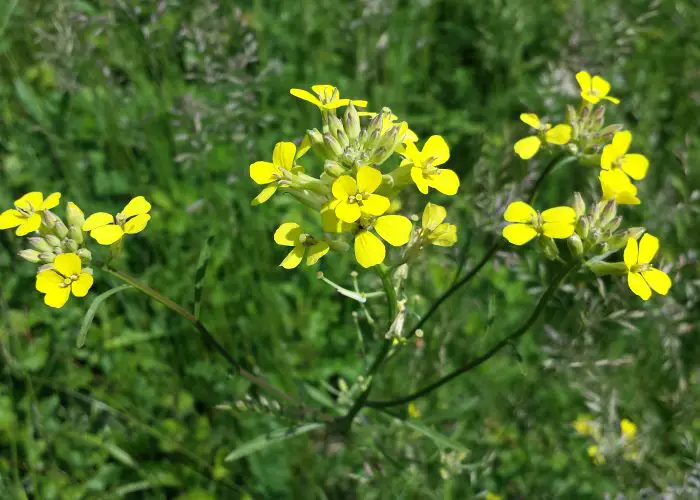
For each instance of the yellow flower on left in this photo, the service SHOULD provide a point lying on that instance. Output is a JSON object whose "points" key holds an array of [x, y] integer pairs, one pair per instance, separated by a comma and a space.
{"points": [[273, 175], [26, 216], [369, 250], [434, 229], [526, 223], [107, 229], [66, 276], [327, 97], [356, 197], [628, 429], [594, 89], [528, 147], [290, 234]]}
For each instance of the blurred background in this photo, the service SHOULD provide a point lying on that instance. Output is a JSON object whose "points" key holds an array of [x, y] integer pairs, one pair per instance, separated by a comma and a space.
{"points": [[106, 99]]}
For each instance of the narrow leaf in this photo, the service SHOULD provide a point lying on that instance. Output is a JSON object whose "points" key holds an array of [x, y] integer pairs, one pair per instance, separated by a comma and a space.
{"points": [[274, 437], [439, 439], [90, 314], [204, 257]]}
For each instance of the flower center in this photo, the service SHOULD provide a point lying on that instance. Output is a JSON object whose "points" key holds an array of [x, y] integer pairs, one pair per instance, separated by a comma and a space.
{"points": [[640, 268], [66, 282]]}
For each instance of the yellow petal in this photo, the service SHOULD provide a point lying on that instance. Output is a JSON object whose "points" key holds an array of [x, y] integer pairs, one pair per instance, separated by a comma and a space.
{"points": [[82, 285], [635, 165], [51, 201], [433, 215], [331, 223], [436, 147], [29, 225], [527, 148], [30, 201], [600, 85], [11, 218], [303, 147], [531, 119], [657, 280], [136, 206], [283, 155], [411, 155], [375, 205], [368, 179], [560, 134], [616, 185], [612, 99], [306, 96], [336, 103], [419, 179], [48, 280], [648, 246], [395, 229], [293, 259], [638, 285], [288, 234], [590, 97], [106, 235], [264, 195], [519, 211], [559, 214], [359, 103], [263, 172], [324, 90], [631, 253], [68, 264], [316, 251], [136, 224], [445, 181], [558, 230], [97, 220], [608, 157], [344, 187], [57, 297], [410, 136], [445, 235], [369, 250], [621, 142], [347, 212], [519, 234], [584, 80]]}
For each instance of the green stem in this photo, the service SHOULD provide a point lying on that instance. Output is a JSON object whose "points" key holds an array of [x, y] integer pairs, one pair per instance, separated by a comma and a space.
{"points": [[508, 339]]}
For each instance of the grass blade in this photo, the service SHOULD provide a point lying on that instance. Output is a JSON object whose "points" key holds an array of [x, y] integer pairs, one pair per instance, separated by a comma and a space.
{"points": [[269, 439], [203, 262], [90, 314]]}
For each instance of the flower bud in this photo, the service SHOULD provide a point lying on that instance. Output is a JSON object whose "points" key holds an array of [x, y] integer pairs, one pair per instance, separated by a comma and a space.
{"points": [[49, 218], [619, 241], [614, 224], [333, 145], [30, 255], [76, 234], [45, 267], [388, 139], [548, 248], [74, 215], [39, 243], [53, 241], [84, 254], [352, 122], [375, 125], [334, 125], [583, 226], [372, 140], [579, 205], [315, 136], [47, 257], [601, 268], [571, 115], [343, 138], [60, 228], [88, 270], [380, 155], [333, 168], [575, 245], [70, 246], [608, 213]]}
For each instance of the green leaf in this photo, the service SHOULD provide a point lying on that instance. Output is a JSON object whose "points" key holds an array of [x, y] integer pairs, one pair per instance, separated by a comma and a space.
{"points": [[31, 102], [201, 272], [439, 439], [90, 314], [269, 439]]}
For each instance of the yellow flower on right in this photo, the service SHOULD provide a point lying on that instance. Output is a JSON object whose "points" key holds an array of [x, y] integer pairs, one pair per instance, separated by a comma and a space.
{"points": [[528, 147], [642, 277], [615, 157], [526, 223], [594, 89]]}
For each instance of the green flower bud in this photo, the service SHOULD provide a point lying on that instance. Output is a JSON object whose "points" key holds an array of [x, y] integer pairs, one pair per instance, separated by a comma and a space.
{"points": [[39, 243], [333, 145], [76, 234], [575, 245], [352, 122], [335, 125], [583, 226], [601, 268], [571, 114], [74, 215], [315, 136], [333, 168], [30, 255], [70, 246], [84, 254], [343, 138], [53, 241], [619, 241], [608, 213], [60, 229], [548, 247], [614, 224], [380, 155], [375, 125], [579, 205], [47, 257]]}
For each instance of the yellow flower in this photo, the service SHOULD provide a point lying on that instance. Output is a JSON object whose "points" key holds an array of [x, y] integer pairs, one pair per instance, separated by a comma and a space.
{"points": [[583, 425], [369, 250], [557, 222], [327, 97], [354, 198], [424, 171], [492, 496], [594, 89], [290, 234], [388, 122], [628, 429], [642, 277], [617, 186], [527, 148], [615, 157], [413, 410], [66, 276], [434, 230], [275, 173], [106, 229], [26, 216], [594, 452]]}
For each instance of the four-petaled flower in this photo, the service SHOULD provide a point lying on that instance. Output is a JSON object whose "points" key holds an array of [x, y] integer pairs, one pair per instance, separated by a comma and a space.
{"points": [[66, 276], [615, 157], [617, 186], [26, 216], [354, 198], [424, 171], [642, 277], [290, 234], [628, 429], [274, 174], [594, 89], [107, 229], [434, 230], [527, 147], [327, 97], [369, 250], [526, 223]]}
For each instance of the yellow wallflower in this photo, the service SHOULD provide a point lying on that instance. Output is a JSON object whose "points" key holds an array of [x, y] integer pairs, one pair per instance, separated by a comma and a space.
{"points": [[354, 198], [26, 216], [290, 234], [527, 148], [434, 230], [584, 426], [424, 171], [595, 454], [264, 172], [615, 157], [642, 277], [628, 429], [327, 97], [594, 89], [66, 276], [557, 222], [617, 186], [107, 229], [388, 122], [369, 250]]}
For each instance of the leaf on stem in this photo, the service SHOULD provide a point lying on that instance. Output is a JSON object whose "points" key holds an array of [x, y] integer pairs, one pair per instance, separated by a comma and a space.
{"points": [[90, 314], [269, 439]]}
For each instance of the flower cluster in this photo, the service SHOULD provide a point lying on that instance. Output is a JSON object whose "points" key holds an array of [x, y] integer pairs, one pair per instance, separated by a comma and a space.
{"points": [[357, 191], [60, 248], [592, 235], [610, 442]]}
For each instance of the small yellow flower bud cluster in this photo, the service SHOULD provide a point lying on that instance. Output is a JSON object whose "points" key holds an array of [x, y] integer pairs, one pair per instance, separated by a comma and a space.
{"points": [[354, 193], [60, 247], [607, 443]]}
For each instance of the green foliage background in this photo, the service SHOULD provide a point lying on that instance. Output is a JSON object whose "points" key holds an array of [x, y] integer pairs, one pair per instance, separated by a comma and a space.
{"points": [[106, 99]]}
